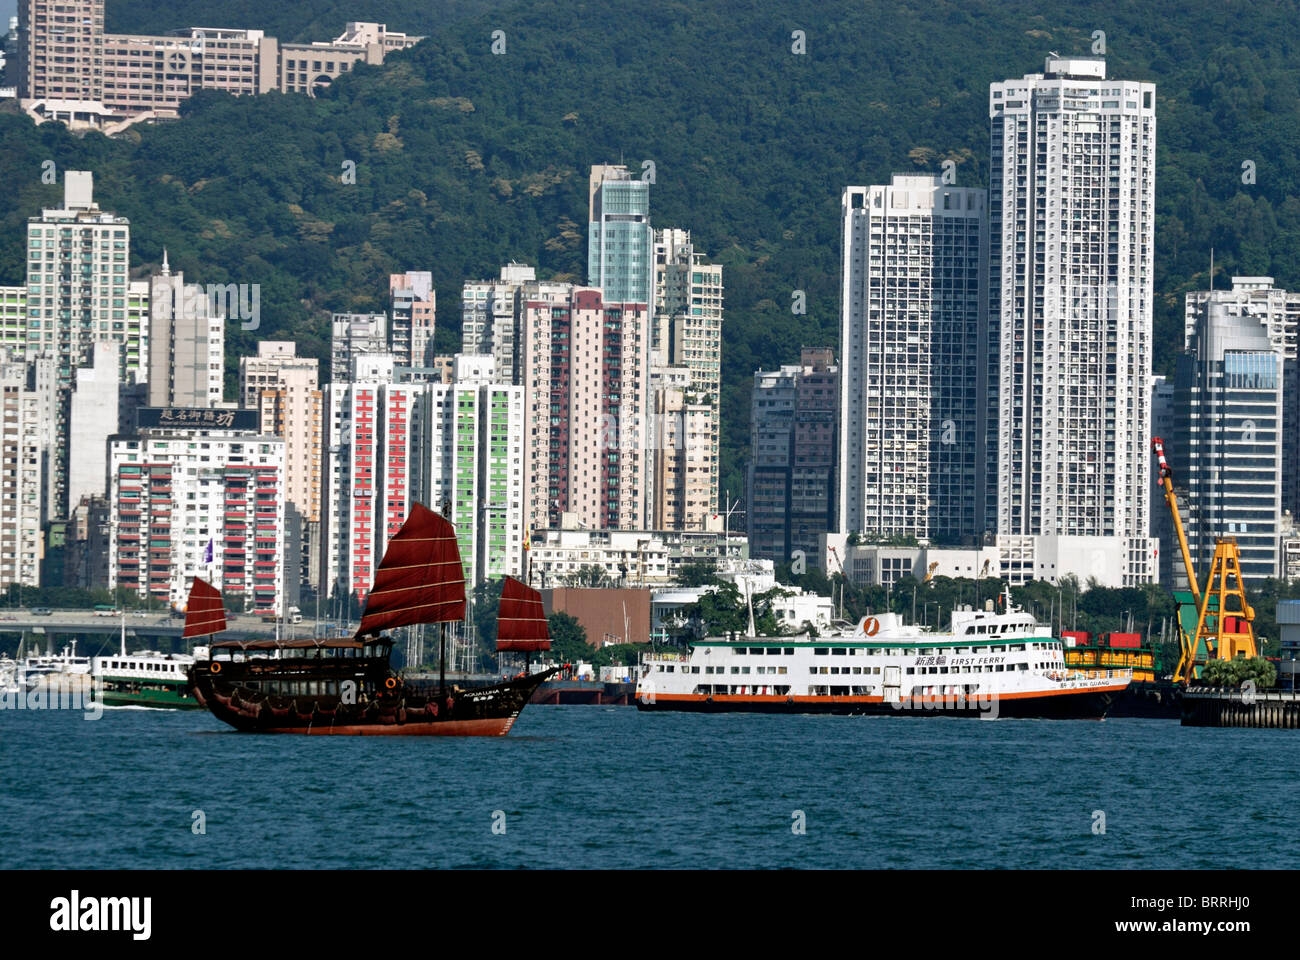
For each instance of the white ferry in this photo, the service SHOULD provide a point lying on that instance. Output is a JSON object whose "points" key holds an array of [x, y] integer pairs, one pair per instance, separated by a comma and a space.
{"points": [[990, 664], [145, 679]]}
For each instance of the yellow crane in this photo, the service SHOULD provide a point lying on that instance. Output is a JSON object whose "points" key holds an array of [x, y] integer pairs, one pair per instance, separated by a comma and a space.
{"points": [[1222, 632]]}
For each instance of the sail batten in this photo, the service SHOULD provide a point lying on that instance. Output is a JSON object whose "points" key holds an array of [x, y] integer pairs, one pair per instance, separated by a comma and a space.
{"points": [[205, 612], [521, 619], [420, 579]]}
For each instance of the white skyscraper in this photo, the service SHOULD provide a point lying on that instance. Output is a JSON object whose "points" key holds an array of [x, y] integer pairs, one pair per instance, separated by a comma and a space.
{"points": [[1278, 311], [1071, 261], [188, 331], [369, 465], [909, 335], [1228, 427], [200, 499], [687, 333], [488, 317], [93, 418], [471, 460], [26, 402]]}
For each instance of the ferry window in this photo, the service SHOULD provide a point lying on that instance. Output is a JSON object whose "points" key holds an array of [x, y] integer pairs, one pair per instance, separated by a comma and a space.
{"points": [[1022, 666], [695, 669], [671, 668], [1000, 668], [780, 669], [735, 669], [789, 652], [857, 669], [838, 651], [911, 670], [820, 651], [742, 669]]}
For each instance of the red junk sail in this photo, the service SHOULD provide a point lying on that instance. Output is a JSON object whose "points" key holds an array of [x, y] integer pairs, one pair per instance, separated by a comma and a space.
{"points": [[420, 579], [521, 621], [204, 612]]}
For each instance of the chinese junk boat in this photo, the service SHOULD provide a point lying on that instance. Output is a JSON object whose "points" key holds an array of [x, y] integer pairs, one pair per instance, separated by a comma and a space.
{"points": [[346, 686]]}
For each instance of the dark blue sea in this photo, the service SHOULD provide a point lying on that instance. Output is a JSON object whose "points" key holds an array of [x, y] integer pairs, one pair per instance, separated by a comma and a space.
{"points": [[608, 787]]}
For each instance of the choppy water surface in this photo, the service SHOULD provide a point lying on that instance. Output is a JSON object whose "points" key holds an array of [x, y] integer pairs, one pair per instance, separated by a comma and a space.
{"points": [[605, 787]]}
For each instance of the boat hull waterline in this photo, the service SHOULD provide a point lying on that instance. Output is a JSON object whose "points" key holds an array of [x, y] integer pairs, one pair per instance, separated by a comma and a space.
{"points": [[1091, 704], [480, 712]]}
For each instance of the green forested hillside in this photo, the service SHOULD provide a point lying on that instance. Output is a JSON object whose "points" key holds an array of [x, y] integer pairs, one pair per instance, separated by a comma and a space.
{"points": [[467, 159]]}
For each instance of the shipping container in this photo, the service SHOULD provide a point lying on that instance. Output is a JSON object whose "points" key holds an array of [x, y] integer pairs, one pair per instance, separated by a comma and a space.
{"points": [[1076, 638]]}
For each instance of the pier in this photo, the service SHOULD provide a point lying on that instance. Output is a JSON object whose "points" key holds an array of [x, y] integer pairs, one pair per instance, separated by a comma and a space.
{"points": [[1232, 707]]}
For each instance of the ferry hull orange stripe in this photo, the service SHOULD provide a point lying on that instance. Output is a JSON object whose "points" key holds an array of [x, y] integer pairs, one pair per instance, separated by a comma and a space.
{"points": [[950, 698]]}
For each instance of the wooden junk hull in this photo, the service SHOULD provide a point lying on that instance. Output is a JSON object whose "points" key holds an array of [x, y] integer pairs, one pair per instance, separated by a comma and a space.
{"points": [[408, 711]]}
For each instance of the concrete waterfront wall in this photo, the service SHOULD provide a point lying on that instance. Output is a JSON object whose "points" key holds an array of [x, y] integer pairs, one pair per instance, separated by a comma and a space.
{"points": [[1231, 707]]}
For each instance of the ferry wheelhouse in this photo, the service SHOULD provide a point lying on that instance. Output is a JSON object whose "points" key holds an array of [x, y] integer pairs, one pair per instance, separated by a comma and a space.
{"points": [[989, 664]]}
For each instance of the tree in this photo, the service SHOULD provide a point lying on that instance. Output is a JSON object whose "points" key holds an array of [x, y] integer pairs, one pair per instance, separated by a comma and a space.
{"points": [[569, 639], [1235, 672], [697, 573], [718, 612], [619, 654], [487, 601], [589, 575]]}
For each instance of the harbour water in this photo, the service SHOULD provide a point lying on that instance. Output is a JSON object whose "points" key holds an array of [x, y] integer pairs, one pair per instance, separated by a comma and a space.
{"points": [[608, 787]]}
